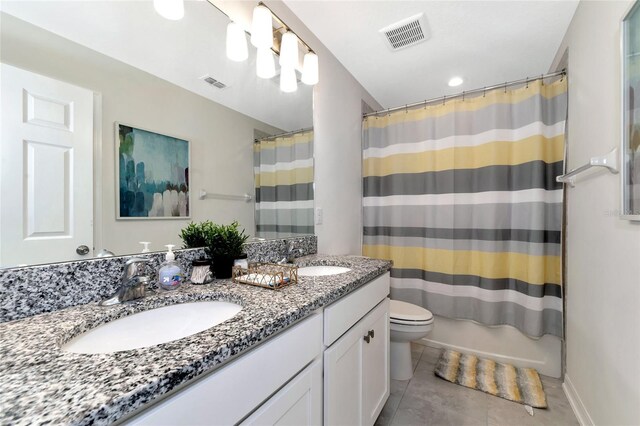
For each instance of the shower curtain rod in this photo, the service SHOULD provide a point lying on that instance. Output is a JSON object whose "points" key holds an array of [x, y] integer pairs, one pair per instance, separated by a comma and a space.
{"points": [[465, 93], [279, 135]]}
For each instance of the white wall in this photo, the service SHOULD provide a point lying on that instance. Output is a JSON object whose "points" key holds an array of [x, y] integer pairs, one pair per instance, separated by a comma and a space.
{"points": [[221, 139], [337, 121], [603, 252]]}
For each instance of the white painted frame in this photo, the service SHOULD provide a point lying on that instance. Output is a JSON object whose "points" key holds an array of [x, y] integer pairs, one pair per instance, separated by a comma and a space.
{"points": [[116, 137], [625, 212]]}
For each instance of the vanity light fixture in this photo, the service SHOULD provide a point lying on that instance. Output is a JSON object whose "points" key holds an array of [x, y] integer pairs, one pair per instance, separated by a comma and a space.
{"points": [[289, 50], [236, 43], [265, 63], [270, 35], [169, 9], [455, 81], [262, 28], [310, 69]]}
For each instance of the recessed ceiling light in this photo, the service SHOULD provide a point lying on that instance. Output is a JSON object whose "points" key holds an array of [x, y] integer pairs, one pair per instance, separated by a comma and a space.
{"points": [[455, 81]]}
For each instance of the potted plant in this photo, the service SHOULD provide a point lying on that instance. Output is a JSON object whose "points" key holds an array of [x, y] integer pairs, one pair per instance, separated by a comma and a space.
{"points": [[225, 244], [222, 243]]}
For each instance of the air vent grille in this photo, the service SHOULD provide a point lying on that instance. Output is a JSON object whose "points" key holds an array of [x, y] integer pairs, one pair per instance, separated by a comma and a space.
{"points": [[405, 33], [215, 83]]}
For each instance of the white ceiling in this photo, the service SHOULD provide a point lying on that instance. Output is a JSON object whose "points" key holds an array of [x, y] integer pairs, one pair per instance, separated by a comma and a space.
{"points": [[177, 51], [485, 42]]}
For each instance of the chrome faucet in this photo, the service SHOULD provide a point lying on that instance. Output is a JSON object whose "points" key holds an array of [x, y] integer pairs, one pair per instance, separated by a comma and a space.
{"points": [[290, 253], [133, 285]]}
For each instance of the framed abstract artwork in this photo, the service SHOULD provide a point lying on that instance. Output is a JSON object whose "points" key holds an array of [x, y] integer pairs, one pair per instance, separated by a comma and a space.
{"points": [[631, 114], [152, 175]]}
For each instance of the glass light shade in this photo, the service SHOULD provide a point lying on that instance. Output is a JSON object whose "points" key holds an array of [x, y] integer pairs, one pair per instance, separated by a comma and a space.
{"points": [[236, 43], [265, 63], [310, 69], [169, 9], [262, 28], [288, 82], [289, 50]]}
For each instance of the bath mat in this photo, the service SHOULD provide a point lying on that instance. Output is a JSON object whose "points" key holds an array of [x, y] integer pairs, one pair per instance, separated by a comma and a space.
{"points": [[521, 385]]}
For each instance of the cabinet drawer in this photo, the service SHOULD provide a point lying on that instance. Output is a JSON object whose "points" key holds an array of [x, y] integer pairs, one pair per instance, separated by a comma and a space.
{"points": [[343, 314], [298, 403], [233, 391]]}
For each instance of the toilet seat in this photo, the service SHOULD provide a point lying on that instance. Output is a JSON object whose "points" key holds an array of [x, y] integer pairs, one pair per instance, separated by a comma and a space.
{"points": [[404, 313]]}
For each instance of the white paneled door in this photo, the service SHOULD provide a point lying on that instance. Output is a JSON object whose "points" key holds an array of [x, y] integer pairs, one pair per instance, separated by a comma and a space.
{"points": [[46, 172]]}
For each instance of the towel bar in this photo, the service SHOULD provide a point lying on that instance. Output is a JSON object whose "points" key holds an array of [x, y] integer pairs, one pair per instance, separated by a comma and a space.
{"points": [[609, 161]]}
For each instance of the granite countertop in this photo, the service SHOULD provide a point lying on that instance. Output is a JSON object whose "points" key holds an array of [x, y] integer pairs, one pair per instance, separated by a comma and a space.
{"points": [[40, 383]]}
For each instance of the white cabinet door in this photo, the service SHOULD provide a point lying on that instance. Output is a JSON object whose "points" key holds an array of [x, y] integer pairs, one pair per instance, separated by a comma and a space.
{"points": [[356, 371], [298, 403], [375, 363], [343, 380]]}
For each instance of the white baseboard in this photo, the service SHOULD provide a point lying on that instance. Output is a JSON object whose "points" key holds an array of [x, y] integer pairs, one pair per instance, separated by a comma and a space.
{"points": [[518, 362], [576, 403]]}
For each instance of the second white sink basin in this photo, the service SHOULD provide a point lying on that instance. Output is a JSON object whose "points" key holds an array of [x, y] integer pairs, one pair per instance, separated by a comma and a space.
{"points": [[152, 327], [320, 271]]}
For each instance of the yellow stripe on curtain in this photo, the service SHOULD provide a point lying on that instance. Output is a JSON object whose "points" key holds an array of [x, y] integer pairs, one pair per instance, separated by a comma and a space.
{"points": [[512, 96], [523, 267], [285, 177], [534, 148]]}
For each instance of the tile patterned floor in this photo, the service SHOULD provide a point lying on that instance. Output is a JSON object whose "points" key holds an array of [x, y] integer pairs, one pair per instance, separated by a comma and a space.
{"points": [[429, 400]]}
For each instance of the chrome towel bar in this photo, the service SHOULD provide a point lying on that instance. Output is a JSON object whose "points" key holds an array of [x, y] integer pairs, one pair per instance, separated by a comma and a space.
{"points": [[609, 161]]}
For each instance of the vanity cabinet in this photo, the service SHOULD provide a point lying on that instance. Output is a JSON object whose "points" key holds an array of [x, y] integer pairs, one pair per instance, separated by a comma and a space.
{"points": [[330, 368], [356, 365]]}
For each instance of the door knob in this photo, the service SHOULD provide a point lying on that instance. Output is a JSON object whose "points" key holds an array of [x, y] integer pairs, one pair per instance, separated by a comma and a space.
{"points": [[82, 250]]}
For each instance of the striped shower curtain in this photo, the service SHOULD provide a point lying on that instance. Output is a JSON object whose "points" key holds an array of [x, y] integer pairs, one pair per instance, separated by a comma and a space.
{"points": [[283, 168], [462, 197]]}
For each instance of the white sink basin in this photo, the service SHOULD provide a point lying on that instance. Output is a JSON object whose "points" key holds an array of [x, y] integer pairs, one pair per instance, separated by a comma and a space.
{"points": [[320, 271], [152, 327]]}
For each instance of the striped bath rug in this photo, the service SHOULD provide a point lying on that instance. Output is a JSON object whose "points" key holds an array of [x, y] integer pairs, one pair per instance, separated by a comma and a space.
{"points": [[521, 385]]}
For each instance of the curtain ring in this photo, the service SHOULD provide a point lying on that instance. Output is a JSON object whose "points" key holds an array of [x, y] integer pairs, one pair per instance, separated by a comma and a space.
{"points": [[444, 99], [505, 87], [562, 77], [463, 96], [542, 79], [484, 91], [406, 108], [527, 83], [425, 104]]}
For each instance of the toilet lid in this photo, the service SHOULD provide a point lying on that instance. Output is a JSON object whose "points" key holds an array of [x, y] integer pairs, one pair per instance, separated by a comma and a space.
{"points": [[408, 313]]}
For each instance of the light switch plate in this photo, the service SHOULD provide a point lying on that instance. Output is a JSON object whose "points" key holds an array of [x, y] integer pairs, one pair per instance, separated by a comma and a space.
{"points": [[319, 216]]}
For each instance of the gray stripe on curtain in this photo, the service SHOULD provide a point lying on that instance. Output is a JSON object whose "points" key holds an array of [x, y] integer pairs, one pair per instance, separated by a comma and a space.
{"points": [[271, 156], [534, 174], [295, 192], [485, 216], [533, 236]]}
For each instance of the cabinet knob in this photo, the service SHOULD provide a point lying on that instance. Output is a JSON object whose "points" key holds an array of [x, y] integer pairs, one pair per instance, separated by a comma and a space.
{"points": [[367, 338], [371, 334]]}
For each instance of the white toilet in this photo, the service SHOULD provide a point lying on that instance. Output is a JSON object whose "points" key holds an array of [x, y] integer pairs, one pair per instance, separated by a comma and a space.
{"points": [[408, 323]]}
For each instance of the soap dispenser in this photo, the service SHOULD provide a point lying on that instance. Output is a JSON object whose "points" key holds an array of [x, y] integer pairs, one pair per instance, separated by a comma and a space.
{"points": [[170, 273]]}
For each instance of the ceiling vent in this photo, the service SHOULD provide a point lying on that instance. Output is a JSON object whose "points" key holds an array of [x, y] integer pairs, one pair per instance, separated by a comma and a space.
{"points": [[213, 82], [405, 33]]}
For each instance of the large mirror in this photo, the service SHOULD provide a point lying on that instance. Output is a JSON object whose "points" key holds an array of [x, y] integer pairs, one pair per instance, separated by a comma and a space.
{"points": [[120, 126]]}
